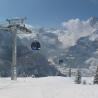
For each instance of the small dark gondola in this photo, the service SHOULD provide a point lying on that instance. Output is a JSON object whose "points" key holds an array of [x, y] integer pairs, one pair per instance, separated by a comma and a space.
{"points": [[35, 45], [60, 61]]}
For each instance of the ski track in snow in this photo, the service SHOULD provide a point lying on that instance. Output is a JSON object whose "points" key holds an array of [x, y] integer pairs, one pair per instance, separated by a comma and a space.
{"points": [[48, 87]]}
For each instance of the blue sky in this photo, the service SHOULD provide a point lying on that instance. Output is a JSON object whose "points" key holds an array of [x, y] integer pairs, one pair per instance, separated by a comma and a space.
{"points": [[48, 12]]}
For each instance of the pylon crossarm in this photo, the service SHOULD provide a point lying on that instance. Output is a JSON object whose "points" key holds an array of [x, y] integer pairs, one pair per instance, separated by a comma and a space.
{"points": [[16, 20], [3, 29], [24, 29], [21, 28]]}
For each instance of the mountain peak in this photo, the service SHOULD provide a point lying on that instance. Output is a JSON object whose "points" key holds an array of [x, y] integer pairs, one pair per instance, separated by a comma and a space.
{"points": [[93, 21]]}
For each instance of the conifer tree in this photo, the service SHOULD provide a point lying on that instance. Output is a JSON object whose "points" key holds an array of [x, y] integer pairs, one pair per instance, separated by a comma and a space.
{"points": [[69, 72], [78, 77], [96, 77]]}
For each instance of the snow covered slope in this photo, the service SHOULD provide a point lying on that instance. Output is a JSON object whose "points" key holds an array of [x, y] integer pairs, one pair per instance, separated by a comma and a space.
{"points": [[49, 87]]}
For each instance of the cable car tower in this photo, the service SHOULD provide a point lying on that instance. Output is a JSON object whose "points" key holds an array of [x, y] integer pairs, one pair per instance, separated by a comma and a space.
{"points": [[14, 25]]}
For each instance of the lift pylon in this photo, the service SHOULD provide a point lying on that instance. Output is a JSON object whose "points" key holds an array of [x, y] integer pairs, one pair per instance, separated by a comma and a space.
{"points": [[14, 25]]}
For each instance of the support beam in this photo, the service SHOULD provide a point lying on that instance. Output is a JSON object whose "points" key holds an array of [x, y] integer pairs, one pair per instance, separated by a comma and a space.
{"points": [[14, 55]]}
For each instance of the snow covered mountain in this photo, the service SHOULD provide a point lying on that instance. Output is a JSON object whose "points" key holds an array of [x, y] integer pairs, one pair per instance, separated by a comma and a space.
{"points": [[75, 42]]}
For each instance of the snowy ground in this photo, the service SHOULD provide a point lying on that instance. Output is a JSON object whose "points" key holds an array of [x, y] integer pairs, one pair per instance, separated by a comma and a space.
{"points": [[48, 87]]}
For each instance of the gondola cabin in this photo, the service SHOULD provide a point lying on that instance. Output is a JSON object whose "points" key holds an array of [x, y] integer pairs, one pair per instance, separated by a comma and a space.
{"points": [[35, 45], [60, 61]]}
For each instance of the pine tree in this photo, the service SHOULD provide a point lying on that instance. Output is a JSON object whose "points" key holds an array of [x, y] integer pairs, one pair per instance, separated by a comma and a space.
{"points": [[78, 77], [96, 77], [69, 72]]}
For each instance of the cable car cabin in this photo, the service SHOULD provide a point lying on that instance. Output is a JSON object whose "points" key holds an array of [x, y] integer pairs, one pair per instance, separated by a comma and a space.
{"points": [[35, 45], [61, 61]]}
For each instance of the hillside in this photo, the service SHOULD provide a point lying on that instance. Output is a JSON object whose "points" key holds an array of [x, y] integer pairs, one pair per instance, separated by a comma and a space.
{"points": [[75, 43]]}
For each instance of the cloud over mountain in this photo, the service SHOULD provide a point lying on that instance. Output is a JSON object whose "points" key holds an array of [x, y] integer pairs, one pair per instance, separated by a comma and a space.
{"points": [[76, 28]]}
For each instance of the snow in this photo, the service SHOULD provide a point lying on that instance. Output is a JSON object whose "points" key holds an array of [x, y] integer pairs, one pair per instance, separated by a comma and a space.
{"points": [[48, 87]]}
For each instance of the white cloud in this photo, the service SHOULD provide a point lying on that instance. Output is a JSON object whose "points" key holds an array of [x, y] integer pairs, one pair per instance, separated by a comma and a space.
{"points": [[78, 27], [75, 28]]}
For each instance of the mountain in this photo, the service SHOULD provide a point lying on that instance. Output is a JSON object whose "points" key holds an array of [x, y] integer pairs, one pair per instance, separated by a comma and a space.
{"points": [[75, 44], [28, 62]]}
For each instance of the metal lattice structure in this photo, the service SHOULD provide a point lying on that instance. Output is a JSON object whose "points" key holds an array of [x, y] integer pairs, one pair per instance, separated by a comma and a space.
{"points": [[14, 25]]}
